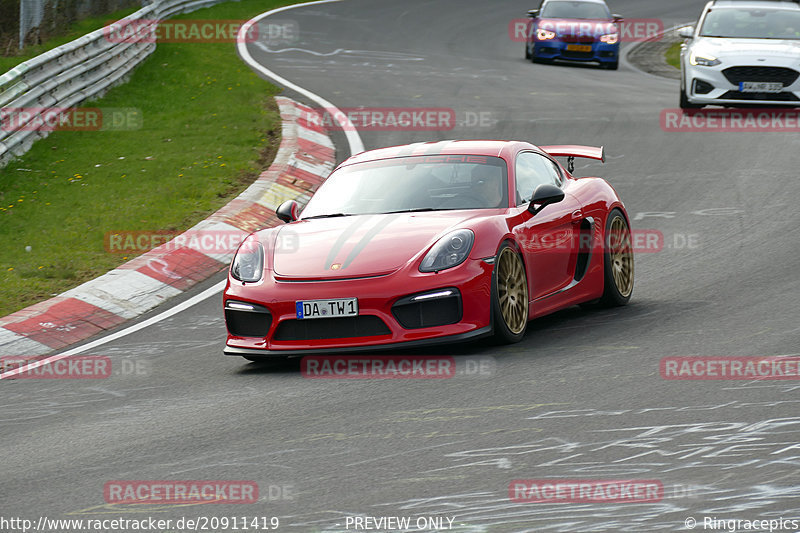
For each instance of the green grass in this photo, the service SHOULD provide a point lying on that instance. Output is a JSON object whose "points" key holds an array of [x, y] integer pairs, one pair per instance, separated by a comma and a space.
{"points": [[209, 127], [76, 30], [673, 55]]}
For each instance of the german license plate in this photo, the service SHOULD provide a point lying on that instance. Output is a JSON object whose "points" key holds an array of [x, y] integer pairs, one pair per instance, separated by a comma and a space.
{"points": [[760, 87], [579, 47], [326, 308]]}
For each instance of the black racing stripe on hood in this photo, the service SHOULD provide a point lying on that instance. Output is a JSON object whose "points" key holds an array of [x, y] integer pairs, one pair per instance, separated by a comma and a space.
{"points": [[337, 246], [365, 240]]}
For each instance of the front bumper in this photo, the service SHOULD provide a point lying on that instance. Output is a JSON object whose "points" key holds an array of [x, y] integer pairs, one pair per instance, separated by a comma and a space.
{"points": [[450, 339], [719, 85], [554, 49], [376, 298]]}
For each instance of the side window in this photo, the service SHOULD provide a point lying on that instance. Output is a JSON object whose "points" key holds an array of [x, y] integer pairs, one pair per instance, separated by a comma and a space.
{"points": [[533, 170]]}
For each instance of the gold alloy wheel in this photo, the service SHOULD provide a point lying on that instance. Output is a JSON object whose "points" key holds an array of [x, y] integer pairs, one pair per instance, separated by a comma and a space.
{"points": [[512, 290], [621, 254]]}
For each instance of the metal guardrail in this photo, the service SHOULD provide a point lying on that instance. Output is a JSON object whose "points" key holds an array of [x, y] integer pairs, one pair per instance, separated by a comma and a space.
{"points": [[77, 71]]}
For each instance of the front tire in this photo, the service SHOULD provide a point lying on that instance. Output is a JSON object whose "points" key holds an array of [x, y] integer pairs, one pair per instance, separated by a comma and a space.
{"points": [[617, 261], [509, 296], [685, 104]]}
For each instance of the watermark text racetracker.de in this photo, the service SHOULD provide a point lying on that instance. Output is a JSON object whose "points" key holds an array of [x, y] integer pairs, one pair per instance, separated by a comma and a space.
{"points": [[273, 33], [642, 241], [72, 367], [76, 367], [383, 119], [396, 367], [180, 492], [585, 491], [178, 31], [628, 30], [730, 368], [203, 241], [70, 119], [396, 119], [730, 120]]}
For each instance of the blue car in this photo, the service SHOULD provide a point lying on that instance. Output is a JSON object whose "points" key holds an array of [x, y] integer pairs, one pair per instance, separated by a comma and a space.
{"points": [[574, 30]]}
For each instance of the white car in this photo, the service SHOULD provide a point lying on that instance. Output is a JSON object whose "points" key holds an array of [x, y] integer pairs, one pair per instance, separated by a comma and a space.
{"points": [[742, 52]]}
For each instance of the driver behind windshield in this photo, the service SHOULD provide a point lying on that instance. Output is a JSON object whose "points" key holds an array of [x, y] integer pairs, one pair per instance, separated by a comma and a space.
{"points": [[487, 185]]}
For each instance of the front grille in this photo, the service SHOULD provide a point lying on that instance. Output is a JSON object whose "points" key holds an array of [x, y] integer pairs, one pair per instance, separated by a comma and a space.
{"points": [[776, 97], [428, 313], [331, 328], [783, 75], [247, 323], [582, 39]]}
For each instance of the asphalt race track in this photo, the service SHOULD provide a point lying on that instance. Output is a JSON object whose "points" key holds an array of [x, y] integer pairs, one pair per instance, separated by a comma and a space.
{"points": [[581, 397]]}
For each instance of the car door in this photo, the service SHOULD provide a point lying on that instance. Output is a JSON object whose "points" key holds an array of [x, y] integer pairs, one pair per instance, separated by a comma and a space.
{"points": [[549, 239]]}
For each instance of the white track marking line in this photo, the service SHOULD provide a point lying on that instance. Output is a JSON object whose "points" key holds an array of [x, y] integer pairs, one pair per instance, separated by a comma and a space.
{"points": [[197, 298], [353, 138]]}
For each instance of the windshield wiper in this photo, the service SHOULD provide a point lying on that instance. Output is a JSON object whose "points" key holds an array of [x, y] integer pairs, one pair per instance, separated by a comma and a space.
{"points": [[414, 210], [331, 215]]}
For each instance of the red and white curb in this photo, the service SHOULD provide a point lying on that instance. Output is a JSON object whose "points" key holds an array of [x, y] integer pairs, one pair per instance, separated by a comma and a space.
{"points": [[303, 162]]}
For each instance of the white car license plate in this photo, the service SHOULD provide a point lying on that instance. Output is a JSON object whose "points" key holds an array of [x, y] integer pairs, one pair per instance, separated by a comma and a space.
{"points": [[326, 308], [760, 87]]}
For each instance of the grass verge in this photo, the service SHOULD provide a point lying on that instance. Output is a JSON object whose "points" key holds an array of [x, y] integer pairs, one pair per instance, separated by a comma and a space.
{"points": [[209, 126], [673, 55]]}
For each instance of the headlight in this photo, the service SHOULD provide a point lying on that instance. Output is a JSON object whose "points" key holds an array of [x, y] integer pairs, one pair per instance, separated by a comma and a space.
{"points": [[248, 263], [449, 251], [703, 61], [611, 38], [545, 35]]}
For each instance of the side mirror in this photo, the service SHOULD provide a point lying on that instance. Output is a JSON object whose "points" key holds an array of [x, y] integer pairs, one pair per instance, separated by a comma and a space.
{"points": [[544, 195], [533, 13], [617, 18], [687, 32], [288, 211]]}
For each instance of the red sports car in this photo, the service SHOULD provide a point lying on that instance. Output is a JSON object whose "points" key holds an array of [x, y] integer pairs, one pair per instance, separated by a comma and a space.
{"points": [[429, 243]]}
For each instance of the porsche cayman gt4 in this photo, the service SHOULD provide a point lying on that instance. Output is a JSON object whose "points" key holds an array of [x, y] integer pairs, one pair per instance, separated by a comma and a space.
{"points": [[429, 243]]}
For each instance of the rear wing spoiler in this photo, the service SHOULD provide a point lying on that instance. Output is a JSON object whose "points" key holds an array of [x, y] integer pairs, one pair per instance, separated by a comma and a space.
{"points": [[571, 151]]}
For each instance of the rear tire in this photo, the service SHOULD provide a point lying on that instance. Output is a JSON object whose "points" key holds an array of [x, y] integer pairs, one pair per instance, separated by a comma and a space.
{"points": [[509, 296], [617, 261]]}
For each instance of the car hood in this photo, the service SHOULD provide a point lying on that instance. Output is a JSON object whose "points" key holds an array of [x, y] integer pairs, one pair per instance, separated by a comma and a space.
{"points": [[755, 51], [358, 246]]}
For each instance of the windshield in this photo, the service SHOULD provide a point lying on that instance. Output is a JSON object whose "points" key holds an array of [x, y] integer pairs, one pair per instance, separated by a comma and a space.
{"points": [[418, 183], [575, 10], [752, 23]]}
